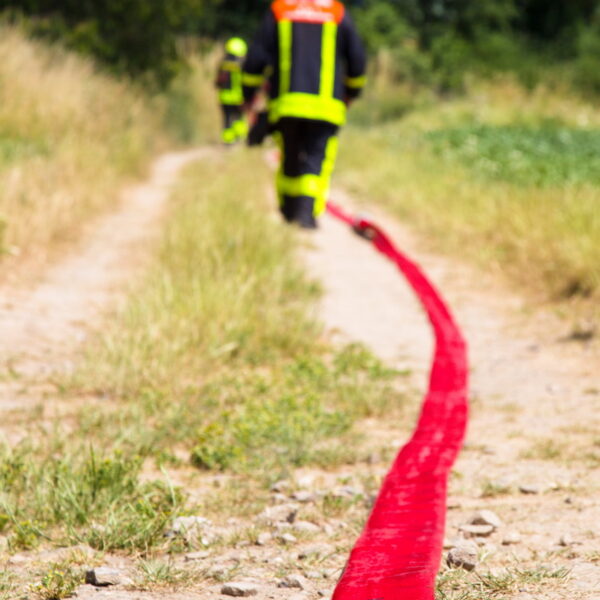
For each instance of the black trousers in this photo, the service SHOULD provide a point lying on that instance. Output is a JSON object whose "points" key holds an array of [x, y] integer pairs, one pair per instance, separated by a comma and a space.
{"points": [[308, 153]]}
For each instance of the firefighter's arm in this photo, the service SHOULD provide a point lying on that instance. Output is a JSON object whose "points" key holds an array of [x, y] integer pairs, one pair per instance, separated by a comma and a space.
{"points": [[222, 78], [356, 59], [260, 56]]}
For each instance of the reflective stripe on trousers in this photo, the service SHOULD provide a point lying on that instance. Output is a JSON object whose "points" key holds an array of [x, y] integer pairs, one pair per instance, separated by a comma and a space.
{"points": [[307, 161]]}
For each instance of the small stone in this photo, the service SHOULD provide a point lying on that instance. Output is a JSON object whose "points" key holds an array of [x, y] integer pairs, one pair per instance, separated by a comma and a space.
{"points": [[218, 571], [477, 530], [316, 550], [529, 489], [486, 517], [453, 542], [347, 492], [106, 576], [303, 496], [566, 540], [239, 589], [463, 557], [263, 539], [280, 486], [306, 527], [373, 459], [189, 528], [313, 575], [331, 573], [293, 581], [281, 513], [288, 538], [324, 593], [511, 538], [306, 481], [192, 556]]}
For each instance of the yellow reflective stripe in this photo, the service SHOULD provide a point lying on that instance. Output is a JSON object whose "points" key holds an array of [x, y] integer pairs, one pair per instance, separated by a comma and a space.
{"points": [[303, 185], [230, 65], [285, 56], [326, 171], [313, 186], [234, 95], [250, 80], [228, 135], [356, 82], [308, 106], [231, 97], [328, 45]]}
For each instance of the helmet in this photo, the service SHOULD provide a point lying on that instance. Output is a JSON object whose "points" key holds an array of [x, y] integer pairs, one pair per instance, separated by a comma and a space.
{"points": [[236, 46]]}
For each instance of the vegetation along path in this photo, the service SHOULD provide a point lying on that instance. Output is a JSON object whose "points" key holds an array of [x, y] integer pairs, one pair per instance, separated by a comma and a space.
{"points": [[40, 327], [531, 463]]}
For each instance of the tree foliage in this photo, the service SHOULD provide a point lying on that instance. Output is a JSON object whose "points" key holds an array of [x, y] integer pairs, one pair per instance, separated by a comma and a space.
{"points": [[140, 36]]}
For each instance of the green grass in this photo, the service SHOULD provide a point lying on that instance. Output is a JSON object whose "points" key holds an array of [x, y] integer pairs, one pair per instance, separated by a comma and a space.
{"points": [[543, 156], [456, 584], [216, 362], [14, 148], [514, 190]]}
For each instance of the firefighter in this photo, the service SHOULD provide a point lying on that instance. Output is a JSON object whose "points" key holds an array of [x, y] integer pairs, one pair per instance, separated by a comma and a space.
{"points": [[229, 84], [315, 64]]}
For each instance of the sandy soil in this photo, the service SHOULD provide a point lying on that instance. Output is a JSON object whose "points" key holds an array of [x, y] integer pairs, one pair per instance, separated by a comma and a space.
{"points": [[43, 325], [536, 398]]}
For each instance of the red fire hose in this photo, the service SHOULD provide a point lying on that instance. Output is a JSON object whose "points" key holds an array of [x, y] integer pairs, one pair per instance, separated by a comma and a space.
{"points": [[398, 554]]}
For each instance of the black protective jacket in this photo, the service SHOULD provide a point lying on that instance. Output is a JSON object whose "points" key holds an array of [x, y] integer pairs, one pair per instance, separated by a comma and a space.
{"points": [[313, 59]]}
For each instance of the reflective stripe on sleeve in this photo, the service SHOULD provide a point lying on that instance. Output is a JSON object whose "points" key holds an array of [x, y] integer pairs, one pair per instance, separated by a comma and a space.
{"points": [[356, 82], [250, 80]]}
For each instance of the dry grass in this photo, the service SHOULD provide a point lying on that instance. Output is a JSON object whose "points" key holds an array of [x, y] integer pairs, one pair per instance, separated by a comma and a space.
{"points": [[216, 363], [533, 217], [68, 138]]}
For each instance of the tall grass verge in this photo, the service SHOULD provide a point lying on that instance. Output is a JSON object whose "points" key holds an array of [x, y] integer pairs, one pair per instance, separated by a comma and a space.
{"points": [[69, 135], [508, 177], [215, 365], [192, 110]]}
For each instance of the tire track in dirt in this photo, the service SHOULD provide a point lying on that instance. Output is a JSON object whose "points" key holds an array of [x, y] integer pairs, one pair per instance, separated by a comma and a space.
{"points": [[41, 327]]}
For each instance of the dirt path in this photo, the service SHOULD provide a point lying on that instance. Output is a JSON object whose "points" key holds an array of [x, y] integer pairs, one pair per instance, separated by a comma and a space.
{"points": [[533, 451], [536, 400], [42, 327]]}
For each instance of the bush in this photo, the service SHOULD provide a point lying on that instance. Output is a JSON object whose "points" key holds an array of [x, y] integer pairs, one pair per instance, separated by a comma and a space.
{"points": [[587, 66]]}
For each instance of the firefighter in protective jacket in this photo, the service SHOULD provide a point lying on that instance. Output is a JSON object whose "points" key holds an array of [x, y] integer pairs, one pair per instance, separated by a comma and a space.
{"points": [[315, 64], [231, 98]]}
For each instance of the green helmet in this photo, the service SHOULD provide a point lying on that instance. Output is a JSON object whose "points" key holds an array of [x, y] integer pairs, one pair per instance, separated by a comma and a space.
{"points": [[236, 46]]}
